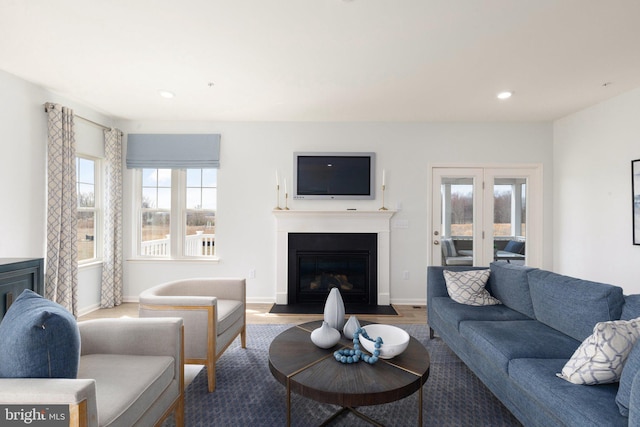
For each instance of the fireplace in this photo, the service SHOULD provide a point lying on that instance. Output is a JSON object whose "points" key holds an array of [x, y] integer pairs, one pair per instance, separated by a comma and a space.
{"points": [[294, 221], [318, 262]]}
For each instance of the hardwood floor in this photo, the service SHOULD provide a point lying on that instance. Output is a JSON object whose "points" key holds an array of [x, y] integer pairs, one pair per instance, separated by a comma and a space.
{"points": [[259, 314]]}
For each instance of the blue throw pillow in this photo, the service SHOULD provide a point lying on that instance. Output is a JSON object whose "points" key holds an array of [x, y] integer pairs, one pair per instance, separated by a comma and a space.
{"points": [[514, 247], [38, 339]]}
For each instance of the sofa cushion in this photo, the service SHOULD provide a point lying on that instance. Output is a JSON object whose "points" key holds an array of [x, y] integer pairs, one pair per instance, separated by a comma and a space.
{"points": [[503, 341], [510, 284], [601, 357], [629, 372], [229, 312], [126, 385], [570, 404], [454, 313], [515, 247], [631, 308], [40, 339], [573, 306], [468, 287]]}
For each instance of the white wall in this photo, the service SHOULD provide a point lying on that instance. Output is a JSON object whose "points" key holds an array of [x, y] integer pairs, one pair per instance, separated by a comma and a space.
{"points": [[23, 165], [22, 168], [593, 150], [251, 153]]}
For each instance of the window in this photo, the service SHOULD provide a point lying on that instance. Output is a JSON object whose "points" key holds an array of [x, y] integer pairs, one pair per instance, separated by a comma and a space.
{"points": [[202, 188], [88, 212], [188, 195]]}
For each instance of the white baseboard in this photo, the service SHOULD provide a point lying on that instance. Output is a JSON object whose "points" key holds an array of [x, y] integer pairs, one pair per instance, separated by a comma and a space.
{"points": [[87, 310]]}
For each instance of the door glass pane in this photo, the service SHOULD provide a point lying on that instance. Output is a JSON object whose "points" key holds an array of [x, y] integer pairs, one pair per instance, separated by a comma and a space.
{"points": [[457, 221], [509, 219]]}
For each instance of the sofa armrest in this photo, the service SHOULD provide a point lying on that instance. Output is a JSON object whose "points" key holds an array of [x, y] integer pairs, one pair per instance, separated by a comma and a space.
{"points": [[148, 300], [148, 337], [436, 285], [196, 291], [79, 394]]}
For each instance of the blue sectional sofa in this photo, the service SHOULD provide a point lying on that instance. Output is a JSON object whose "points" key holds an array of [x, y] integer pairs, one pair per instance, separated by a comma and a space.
{"points": [[517, 348]]}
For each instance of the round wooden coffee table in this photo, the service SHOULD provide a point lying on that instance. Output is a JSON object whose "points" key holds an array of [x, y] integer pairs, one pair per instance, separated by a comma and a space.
{"points": [[313, 372]]}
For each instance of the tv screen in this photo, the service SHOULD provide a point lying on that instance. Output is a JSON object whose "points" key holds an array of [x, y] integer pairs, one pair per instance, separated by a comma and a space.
{"points": [[347, 176]]}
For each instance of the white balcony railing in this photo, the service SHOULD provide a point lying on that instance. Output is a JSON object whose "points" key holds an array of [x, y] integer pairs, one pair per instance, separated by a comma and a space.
{"points": [[194, 245]]}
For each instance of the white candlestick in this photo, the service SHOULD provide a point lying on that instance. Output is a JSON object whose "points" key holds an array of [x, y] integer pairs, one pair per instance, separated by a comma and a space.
{"points": [[383, 176], [277, 180], [285, 186]]}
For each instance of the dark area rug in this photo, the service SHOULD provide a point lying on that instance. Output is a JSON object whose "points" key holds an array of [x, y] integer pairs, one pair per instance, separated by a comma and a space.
{"points": [[380, 310], [247, 394]]}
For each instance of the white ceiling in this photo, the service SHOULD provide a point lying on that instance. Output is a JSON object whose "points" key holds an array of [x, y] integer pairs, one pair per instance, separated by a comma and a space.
{"points": [[326, 60]]}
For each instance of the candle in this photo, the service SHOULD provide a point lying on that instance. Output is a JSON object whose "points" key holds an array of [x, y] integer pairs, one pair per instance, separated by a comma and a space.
{"points": [[285, 186], [277, 180], [383, 176]]}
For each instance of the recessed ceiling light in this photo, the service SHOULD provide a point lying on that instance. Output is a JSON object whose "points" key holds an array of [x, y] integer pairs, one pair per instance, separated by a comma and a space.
{"points": [[167, 94], [505, 95]]}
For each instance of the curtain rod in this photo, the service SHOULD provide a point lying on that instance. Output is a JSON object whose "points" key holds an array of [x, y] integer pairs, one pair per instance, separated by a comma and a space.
{"points": [[50, 105]]}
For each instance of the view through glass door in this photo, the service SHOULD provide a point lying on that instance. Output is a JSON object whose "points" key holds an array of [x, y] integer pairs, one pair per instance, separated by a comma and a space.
{"points": [[481, 215]]}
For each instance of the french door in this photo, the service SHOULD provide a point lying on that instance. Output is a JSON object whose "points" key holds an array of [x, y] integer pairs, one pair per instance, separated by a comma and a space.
{"points": [[479, 210]]}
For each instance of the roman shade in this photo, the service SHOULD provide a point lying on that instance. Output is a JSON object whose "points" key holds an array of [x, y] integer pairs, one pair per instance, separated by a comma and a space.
{"points": [[173, 151]]}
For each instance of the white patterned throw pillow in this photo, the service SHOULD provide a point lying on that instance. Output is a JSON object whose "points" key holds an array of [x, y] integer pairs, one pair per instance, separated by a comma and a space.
{"points": [[468, 287], [602, 355]]}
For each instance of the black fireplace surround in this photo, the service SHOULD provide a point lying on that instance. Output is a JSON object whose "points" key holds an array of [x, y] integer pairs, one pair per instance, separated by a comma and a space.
{"points": [[318, 262]]}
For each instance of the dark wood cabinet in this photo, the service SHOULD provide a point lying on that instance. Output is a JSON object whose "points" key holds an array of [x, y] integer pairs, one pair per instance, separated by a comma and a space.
{"points": [[16, 275]]}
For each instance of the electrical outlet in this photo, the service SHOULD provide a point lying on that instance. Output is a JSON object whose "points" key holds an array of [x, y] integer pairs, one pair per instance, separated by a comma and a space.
{"points": [[252, 273]]}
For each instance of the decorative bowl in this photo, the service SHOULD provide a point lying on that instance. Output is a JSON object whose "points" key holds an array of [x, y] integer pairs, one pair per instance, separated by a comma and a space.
{"points": [[394, 340]]}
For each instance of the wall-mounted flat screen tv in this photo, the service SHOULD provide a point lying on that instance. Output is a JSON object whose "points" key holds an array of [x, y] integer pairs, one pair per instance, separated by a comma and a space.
{"points": [[346, 176]]}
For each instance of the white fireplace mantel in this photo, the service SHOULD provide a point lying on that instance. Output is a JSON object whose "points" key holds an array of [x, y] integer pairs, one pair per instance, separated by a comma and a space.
{"points": [[348, 221]]}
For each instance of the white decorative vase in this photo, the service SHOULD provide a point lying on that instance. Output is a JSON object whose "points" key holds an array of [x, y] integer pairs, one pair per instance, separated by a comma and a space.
{"points": [[351, 327], [325, 336], [334, 310]]}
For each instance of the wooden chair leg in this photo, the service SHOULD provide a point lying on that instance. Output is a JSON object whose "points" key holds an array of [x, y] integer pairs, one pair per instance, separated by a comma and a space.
{"points": [[179, 413], [243, 336], [431, 333], [211, 374]]}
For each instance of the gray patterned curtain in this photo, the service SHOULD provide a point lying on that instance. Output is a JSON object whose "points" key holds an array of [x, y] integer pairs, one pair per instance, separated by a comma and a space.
{"points": [[111, 290], [61, 282]]}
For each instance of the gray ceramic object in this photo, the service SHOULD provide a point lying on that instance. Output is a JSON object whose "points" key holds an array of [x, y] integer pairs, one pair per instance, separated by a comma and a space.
{"points": [[334, 310], [325, 336]]}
